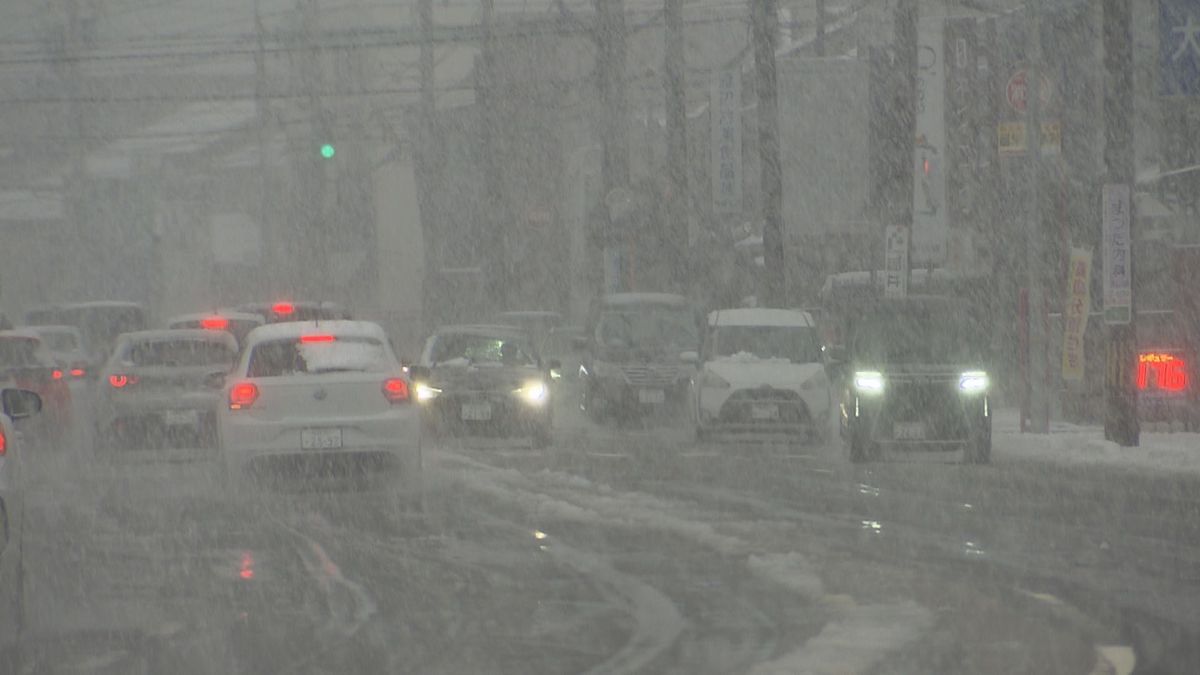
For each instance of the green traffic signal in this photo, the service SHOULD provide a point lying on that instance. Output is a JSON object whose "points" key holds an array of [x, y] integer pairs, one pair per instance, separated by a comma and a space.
{"points": [[328, 151]]}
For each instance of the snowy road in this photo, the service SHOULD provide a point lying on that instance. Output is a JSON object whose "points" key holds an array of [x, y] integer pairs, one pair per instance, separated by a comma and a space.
{"points": [[616, 551]]}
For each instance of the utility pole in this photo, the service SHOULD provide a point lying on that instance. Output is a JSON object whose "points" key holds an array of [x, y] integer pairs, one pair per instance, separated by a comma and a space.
{"points": [[906, 110], [764, 17], [260, 101], [1120, 419], [610, 71], [678, 200], [76, 180], [424, 160], [819, 39], [499, 222], [1035, 239]]}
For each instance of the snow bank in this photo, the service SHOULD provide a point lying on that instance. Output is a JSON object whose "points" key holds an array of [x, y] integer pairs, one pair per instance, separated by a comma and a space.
{"points": [[790, 570], [1071, 444]]}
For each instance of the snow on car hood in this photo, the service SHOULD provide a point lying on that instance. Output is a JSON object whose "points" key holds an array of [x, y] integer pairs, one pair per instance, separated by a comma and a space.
{"points": [[745, 370]]}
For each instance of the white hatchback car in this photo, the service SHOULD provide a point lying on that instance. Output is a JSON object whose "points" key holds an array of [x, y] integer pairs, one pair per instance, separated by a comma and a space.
{"points": [[763, 373], [321, 400]]}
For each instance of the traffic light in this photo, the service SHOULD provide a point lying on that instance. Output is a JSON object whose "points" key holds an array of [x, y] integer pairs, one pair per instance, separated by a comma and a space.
{"points": [[328, 151]]}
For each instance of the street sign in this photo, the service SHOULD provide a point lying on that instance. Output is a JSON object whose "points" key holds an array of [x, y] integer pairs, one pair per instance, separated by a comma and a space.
{"points": [[1075, 315], [1118, 255], [895, 262], [725, 113], [1017, 91], [1010, 138], [1179, 47]]}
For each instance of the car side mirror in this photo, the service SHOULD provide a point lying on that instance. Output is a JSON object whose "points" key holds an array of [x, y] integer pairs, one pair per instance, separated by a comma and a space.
{"points": [[20, 403], [215, 380]]}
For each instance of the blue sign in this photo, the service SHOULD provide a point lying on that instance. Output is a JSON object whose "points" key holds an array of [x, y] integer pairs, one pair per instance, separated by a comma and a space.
{"points": [[1179, 47]]}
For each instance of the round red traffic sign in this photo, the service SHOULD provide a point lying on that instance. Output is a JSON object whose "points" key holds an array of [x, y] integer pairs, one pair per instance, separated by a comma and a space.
{"points": [[1017, 90]]}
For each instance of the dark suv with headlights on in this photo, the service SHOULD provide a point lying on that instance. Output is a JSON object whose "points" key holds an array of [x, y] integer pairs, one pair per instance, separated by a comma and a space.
{"points": [[916, 378], [484, 381]]}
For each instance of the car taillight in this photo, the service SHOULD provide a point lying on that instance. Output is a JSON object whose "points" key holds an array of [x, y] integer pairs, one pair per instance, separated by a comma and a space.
{"points": [[121, 381], [56, 374], [3, 442], [283, 308], [308, 339], [242, 395], [78, 372], [395, 390], [214, 323]]}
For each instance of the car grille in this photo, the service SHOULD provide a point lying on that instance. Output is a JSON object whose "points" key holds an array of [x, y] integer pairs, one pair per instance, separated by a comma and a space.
{"points": [[653, 375], [739, 408], [935, 402]]}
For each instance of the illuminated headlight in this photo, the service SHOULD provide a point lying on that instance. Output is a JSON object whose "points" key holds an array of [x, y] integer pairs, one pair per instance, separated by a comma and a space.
{"points": [[532, 392], [973, 382], [713, 381], [868, 382], [426, 393]]}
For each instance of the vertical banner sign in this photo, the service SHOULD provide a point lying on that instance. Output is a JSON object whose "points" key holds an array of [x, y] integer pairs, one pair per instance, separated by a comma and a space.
{"points": [[895, 262], [1075, 315], [1179, 47], [1118, 256], [929, 151], [725, 113]]}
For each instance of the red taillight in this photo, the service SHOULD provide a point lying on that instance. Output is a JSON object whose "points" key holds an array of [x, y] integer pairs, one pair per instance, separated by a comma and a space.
{"points": [[283, 308], [395, 389], [214, 323], [119, 381], [3, 442], [56, 374], [316, 338], [78, 372], [242, 395]]}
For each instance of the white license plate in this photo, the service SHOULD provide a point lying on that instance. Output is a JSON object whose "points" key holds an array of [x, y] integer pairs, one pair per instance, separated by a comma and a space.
{"points": [[764, 411], [181, 418], [909, 431], [320, 439], [651, 396], [476, 412]]}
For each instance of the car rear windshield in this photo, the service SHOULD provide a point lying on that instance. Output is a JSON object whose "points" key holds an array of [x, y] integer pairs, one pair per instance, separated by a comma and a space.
{"points": [[279, 358], [59, 341], [18, 352], [180, 353], [474, 349], [797, 344]]}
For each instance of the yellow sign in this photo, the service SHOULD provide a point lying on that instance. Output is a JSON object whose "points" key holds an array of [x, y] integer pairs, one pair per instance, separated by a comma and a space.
{"points": [[1011, 138], [1051, 139], [1075, 314]]}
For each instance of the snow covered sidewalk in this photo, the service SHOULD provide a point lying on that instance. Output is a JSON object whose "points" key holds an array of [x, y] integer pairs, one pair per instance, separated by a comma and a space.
{"points": [[1085, 445]]}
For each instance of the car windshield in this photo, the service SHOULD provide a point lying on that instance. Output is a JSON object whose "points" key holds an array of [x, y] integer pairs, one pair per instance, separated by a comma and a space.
{"points": [[648, 328], [16, 352], [463, 349], [798, 344], [918, 334], [280, 358], [177, 353]]}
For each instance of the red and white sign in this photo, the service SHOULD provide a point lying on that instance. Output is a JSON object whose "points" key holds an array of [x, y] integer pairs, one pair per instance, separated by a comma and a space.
{"points": [[1017, 90]]}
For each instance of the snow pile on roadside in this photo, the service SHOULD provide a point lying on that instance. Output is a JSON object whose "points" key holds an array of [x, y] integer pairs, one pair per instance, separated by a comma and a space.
{"points": [[790, 570], [854, 643], [1075, 445]]}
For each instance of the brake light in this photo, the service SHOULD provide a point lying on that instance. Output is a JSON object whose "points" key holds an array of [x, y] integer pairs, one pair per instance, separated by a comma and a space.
{"points": [[1170, 372], [242, 395], [56, 374], [3, 442], [214, 323], [395, 390], [119, 381], [283, 308], [316, 338], [78, 372]]}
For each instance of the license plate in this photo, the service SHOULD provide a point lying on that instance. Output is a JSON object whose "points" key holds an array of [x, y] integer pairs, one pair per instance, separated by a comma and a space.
{"points": [[909, 431], [320, 439], [476, 412], [181, 418], [764, 411], [651, 396]]}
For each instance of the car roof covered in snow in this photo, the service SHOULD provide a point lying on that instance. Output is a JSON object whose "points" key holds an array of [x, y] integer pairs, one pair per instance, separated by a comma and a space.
{"points": [[234, 316], [760, 316], [53, 329], [616, 299], [295, 329], [168, 334]]}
